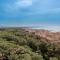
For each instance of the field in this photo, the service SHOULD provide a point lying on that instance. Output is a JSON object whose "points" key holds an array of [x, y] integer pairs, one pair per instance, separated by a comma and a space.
{"points": [[19, 44]]}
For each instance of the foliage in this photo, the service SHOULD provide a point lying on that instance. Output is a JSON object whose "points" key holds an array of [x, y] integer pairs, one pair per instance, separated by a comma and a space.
{"points": [[19, 44]]}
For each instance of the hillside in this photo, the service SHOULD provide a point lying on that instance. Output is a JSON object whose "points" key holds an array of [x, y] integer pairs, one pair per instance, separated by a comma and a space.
{"points": [[27, 44], [50, 36]]}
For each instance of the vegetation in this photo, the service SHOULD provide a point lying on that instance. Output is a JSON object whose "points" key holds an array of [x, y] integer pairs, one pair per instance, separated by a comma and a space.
{"points": [[19, 44]]}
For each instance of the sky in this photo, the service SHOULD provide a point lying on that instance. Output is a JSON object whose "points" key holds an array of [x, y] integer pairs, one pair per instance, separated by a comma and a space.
{"points": [[31, 13]]}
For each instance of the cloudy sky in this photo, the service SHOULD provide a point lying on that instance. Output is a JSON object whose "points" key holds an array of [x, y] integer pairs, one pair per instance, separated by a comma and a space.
{"points": [[37, 13]]}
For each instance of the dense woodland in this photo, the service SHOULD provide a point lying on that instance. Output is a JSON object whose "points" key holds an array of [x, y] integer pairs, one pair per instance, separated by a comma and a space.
{"points": [[19, 44]]}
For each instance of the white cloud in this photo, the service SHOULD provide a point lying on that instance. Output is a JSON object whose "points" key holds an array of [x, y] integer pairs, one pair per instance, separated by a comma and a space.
{"points": [[23, 3], [17, 6], [37, 6]]}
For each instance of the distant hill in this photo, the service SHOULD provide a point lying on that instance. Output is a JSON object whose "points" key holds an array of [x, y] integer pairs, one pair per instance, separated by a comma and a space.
{"points": [[50, 36]]}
